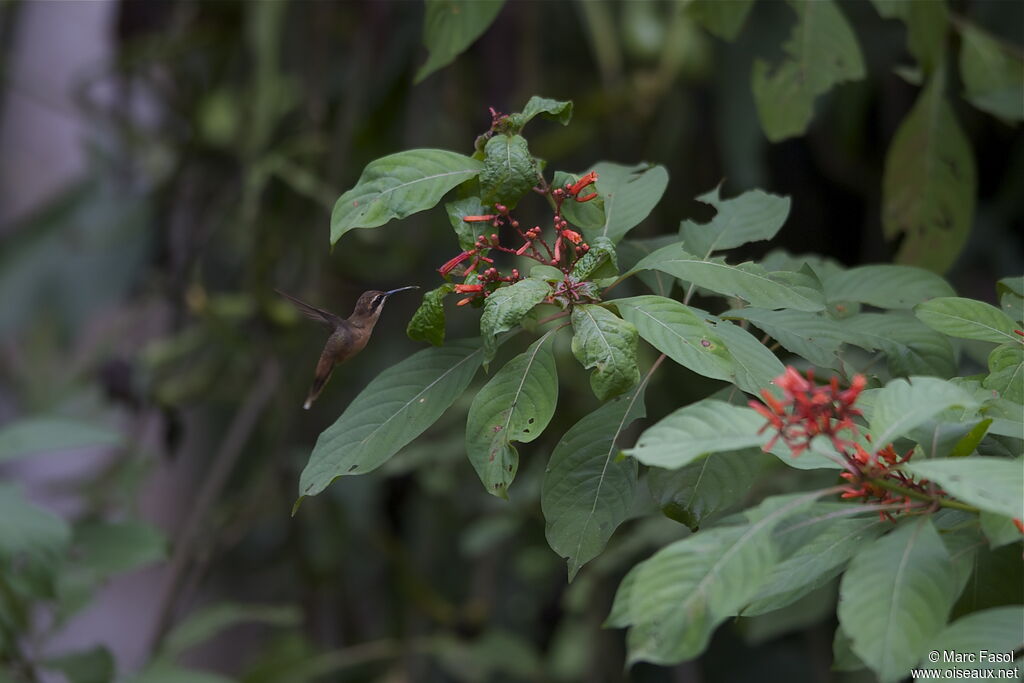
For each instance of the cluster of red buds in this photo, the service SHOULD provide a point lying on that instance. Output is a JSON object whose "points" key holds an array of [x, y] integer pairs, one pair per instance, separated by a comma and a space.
{"points": [[808, 410], [562, 252]]}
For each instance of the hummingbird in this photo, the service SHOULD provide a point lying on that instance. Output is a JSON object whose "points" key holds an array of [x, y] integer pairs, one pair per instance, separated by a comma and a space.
{"points": [[348, 336]]}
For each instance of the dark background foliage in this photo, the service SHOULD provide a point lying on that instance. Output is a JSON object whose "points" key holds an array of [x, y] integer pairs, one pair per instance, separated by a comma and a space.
{"points": [[214, 139]]}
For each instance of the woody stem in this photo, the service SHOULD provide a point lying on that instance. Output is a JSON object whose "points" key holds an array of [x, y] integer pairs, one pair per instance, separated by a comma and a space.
{"points": [[917, 495]]}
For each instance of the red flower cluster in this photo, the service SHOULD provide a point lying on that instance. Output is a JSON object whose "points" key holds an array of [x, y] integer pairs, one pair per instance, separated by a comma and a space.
{"points": [[809, 410]]}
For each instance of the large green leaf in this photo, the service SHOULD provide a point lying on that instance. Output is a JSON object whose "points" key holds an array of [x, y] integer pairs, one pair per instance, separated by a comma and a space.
{"points": [[707, 426], [747, 281], [556, 110], [630, 252], [723, 19], [910, 347], [693, 493], [811, 335], [599, 262], [929, 183], [751, 217], [629, 194], [607, 344], [680, 333], [1011, 297], [998, 630], [1006, 372], [993, 484], [398, 185], [674, 600], [509, 170], [450, 26], [515, 405], [46, 434], [968, 319], [588, 489], [993, 75], [754, 365], [927, 24], [26, 528], [393, 409], [505, 307], [902, 405], [816, 546], [821, 52], [885, 286], [427, 323], [895, 597]]}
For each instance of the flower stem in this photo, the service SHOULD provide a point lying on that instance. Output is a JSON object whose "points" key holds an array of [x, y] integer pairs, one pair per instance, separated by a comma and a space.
{"points": [[917, 495]]}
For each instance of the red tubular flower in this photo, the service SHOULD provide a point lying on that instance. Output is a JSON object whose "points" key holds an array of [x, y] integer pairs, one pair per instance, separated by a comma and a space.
{"points": [[479, 219], [576, 187], [463, 302], [572, 236], [468, 289], [586, 198], [450, 265]]}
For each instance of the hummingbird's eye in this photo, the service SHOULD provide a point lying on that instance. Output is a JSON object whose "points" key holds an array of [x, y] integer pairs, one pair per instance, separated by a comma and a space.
{"points": [[376, 301]]}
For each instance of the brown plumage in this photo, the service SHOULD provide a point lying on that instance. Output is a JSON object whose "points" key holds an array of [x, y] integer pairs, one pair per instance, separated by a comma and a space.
{"points": [[348, 336]]}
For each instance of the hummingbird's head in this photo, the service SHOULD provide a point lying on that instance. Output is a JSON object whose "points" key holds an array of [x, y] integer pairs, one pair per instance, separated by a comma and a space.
{"points": [[369, 305]]}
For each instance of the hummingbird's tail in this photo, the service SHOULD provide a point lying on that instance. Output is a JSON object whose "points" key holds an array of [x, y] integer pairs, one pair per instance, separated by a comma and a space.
{"points": [[323, 373]]}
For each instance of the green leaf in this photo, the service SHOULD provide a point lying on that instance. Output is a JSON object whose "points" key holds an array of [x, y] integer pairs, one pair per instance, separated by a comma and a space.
{"points": [[599, 262], [902, 405], [992, 484], [586, 215], [723, 19], [993, 75], [895, 597], [707, 426], [929, 183], [26, 528], [393, 409], [108, 548], [398, 185], [927, 24], [1006, 372], [821, 52], [816, 545], [509, 170], [588, 490], [1011, 297], [751, 217], [810, 335], [755, 366], [1000, 530], [427, 323], [556, 110], [630, 193], [910, 347], [451, 26], [45, 434], [997, 579], [205, 623], [95, 665], [748, 281], [505, 307], [468, 232], [680, 333], [515, 405], [675, 599], [162, 671], [608, 345], [885, 286], [630, 252], [968, 319], [996, 631], [696, 492]]}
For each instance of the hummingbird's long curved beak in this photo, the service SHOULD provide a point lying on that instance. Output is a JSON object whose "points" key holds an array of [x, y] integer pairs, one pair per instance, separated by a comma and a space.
{"points": [[400, 289]]}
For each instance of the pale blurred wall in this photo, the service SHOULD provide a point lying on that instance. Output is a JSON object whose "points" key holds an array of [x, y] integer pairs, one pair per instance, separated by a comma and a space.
{"points": [[55, 44]]}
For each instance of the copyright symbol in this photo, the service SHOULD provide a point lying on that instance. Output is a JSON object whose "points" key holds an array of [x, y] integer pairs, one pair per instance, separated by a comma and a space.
{"points": [[933, 656]]}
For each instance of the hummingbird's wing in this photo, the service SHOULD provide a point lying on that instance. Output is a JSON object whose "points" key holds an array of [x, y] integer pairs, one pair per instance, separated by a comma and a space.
{"points": [[312, 312]]}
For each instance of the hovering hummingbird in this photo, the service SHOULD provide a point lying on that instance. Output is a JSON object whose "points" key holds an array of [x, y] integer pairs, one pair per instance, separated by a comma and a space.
{"points": [[348, 337]]}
